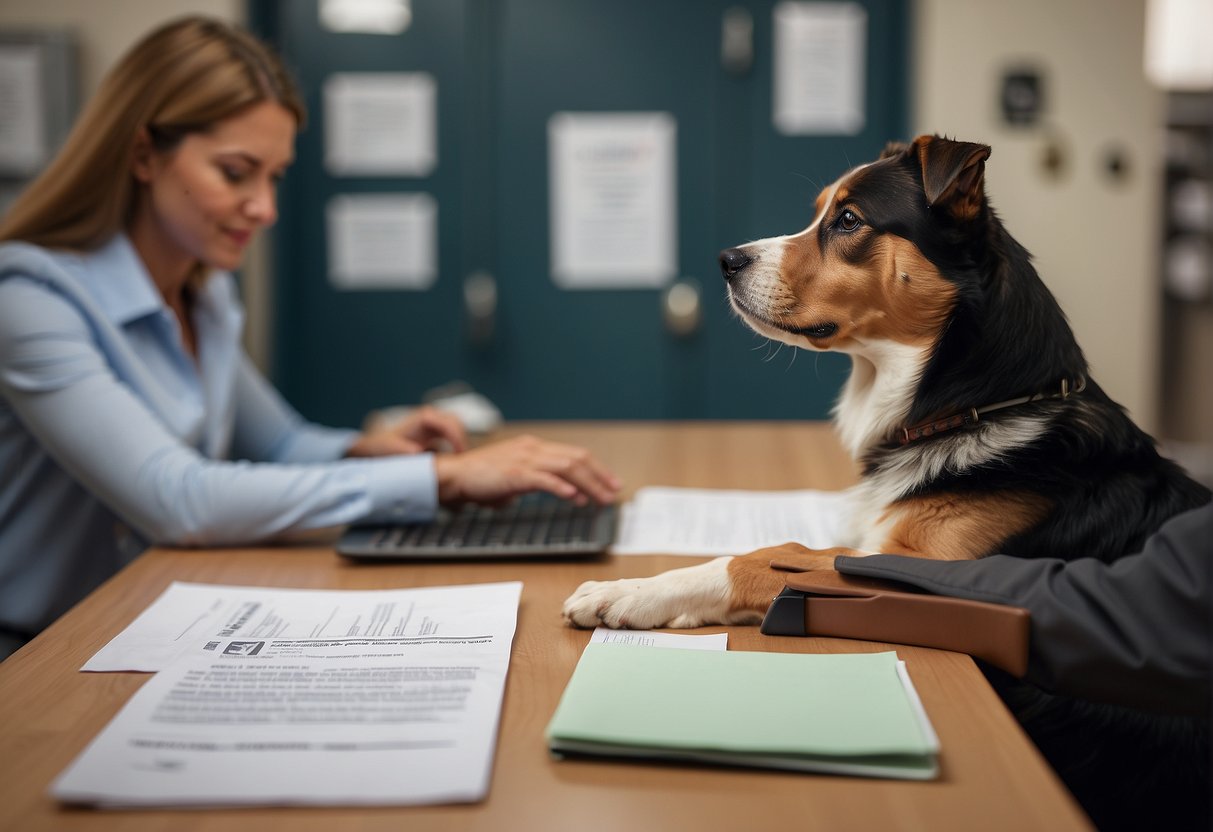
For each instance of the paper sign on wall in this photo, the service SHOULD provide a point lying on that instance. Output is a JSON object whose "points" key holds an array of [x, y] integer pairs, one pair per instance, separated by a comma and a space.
{"points": [[376, 17], [380, 124], [22, 125], [820, 55], [613, 208], [382, 241]]}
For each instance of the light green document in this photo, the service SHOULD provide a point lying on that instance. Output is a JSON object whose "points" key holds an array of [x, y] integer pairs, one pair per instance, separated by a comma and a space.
{"points": [[853, 713]]}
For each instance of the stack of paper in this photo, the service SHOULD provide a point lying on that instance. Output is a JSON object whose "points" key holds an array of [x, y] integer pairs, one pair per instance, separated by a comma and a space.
{"points": [[845, 714], [270, 696]]}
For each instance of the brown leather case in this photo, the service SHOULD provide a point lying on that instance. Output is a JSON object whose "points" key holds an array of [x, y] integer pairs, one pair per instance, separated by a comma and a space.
{"points": [[832, 604]]}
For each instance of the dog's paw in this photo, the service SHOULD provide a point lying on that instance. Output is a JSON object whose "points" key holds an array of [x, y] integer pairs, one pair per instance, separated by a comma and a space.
{"points": [[682, 598], [631, 604]]}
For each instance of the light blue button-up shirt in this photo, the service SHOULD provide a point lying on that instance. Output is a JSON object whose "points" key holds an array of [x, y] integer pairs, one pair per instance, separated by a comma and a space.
{"points": [[112, 436]]}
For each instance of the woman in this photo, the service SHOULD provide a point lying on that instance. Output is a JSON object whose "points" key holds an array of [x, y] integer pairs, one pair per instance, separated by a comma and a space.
{"points": [[128, 412]]}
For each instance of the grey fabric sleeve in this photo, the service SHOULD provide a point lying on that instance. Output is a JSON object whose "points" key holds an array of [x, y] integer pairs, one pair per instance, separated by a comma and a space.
{"points": [[1135, 632]]}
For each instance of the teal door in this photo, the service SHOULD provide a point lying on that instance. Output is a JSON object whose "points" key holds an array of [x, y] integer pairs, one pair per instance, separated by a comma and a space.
{"points": [[339, 354], [502, 70]]}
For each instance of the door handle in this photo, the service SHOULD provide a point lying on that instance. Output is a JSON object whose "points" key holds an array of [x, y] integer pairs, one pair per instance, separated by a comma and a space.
{"points": [[480, 306], [681, 308]]}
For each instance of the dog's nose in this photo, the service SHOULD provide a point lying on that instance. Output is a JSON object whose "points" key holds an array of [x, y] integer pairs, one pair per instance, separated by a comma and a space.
{"points": [[733, 260]]}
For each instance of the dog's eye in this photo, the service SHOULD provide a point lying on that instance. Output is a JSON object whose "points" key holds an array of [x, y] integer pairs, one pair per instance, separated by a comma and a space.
{"points": [[849, 221]]}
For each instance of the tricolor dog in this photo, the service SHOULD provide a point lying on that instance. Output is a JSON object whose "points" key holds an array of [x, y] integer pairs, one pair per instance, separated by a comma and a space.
{"points": [[969, 408]]}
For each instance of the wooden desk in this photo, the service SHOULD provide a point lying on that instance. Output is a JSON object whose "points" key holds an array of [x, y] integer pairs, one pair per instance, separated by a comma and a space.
{"points": [[992, 777]]}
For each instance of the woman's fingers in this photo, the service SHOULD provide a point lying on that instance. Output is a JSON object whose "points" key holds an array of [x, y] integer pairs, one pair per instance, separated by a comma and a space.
{"points": [[515, 466], [578, 467], [430, 423]]}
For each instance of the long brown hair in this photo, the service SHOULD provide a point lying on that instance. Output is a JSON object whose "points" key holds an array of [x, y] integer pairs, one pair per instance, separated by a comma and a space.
{"points": [[181, 78]]}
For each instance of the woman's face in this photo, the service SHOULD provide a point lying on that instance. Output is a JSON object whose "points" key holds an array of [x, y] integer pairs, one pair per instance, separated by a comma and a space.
{"points": [[205, 199]]}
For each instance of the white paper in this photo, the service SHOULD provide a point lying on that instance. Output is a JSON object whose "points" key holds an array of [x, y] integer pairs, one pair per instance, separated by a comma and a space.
{"points": [[820, 54], [613, 211], [231, 731], [649, 638], [22, 121], [400, 706], [383, 241], [375, 17], [700, 521], [924, 722], [271, 622], [380, 124]]}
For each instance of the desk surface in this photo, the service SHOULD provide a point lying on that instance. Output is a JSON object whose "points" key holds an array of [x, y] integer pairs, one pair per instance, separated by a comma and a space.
{"points": [[992, 777]]}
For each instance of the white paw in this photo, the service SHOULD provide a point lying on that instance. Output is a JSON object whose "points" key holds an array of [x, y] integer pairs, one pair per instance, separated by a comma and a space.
{"points": [[688, 597]]}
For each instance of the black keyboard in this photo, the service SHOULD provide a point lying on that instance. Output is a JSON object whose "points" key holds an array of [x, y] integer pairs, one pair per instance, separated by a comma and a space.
{"points": [[533, 525]]}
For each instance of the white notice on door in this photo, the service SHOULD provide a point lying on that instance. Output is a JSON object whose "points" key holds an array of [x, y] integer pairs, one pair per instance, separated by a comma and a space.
{"points": [[819, 68], [614, 216], [383, 241], [380, 124]]}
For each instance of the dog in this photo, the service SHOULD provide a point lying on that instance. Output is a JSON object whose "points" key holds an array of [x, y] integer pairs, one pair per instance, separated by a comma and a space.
{"points": [[970, 410]]}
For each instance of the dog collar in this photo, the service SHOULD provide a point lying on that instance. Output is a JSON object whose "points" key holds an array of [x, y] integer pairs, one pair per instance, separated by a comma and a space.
{"points": [[973, 415]]}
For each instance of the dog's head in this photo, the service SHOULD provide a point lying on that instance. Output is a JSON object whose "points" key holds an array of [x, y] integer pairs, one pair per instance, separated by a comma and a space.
{"points": [[869, 269], [906, 266]]}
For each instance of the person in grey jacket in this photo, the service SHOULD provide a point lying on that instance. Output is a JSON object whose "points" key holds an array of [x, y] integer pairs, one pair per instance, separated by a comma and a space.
{"points": [[1137, 632]]}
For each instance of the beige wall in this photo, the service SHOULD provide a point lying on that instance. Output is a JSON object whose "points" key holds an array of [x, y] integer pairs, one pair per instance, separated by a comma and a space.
{"points": [[1095, 241], [107, 27]]}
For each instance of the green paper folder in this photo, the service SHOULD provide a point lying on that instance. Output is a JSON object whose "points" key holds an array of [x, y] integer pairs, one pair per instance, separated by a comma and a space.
{"points": [[853, 713]]}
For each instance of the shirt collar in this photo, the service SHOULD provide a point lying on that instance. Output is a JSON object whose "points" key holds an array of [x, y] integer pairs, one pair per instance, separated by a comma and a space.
{"points": [[120, 283], [123, 288]]}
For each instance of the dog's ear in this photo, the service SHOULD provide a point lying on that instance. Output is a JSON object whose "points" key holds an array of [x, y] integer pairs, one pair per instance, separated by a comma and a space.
{"points": [[953, 174], [894, 149]]}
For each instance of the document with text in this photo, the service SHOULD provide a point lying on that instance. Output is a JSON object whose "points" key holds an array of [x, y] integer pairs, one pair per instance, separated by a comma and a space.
{"points": [[273, 622], [650, 638], [357, 721], [704, 521]]}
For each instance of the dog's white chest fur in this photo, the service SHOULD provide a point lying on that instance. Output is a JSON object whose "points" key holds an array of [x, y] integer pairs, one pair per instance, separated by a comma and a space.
{"points": [[878, 393]]}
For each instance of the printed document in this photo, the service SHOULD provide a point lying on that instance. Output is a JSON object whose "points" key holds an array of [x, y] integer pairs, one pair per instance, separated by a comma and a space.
{"points": [[703, 521], [210, 619], [367, 720], [649, 638]]}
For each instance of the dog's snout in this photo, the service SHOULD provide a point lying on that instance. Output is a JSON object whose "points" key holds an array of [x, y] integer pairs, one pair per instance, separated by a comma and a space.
{"points": [[733, 260]]}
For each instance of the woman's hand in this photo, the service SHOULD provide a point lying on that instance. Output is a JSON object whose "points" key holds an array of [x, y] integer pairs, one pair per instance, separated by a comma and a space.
{"points": [[496, 472], [424, 429]]}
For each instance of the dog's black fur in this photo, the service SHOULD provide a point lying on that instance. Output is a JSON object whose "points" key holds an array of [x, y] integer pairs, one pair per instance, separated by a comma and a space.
{"points": [[1107, 486], [1008, 337]]}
